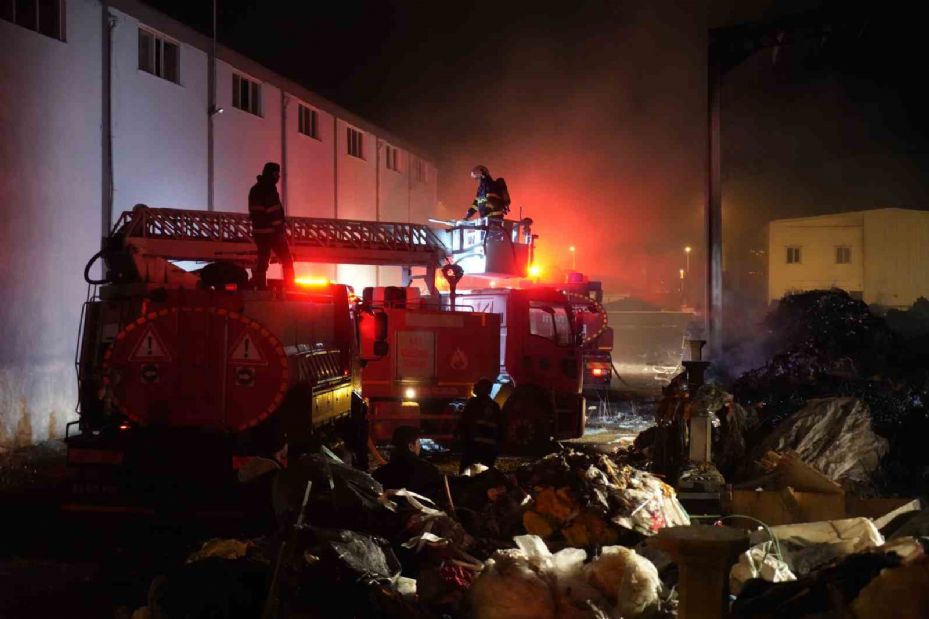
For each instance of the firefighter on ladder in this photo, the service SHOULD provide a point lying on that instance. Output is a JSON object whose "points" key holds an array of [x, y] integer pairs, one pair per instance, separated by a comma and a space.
{"points": [[267, 215], [492, 199]]}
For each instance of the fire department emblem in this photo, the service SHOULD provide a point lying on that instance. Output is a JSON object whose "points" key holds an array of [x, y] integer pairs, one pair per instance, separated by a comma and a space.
{"points": [[459, 360]]}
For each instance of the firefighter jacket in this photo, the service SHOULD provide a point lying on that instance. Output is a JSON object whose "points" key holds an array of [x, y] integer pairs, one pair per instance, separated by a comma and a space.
{"points": [[481, 423], [265, 208], [492, 199]]}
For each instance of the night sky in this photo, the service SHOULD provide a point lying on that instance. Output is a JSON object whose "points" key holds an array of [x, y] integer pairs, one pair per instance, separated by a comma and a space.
{"points": [[594, 112]]}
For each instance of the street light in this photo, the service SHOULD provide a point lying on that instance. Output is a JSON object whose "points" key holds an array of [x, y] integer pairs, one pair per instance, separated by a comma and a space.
{"points": [[573, 258], [683, 297], [687, 251]]}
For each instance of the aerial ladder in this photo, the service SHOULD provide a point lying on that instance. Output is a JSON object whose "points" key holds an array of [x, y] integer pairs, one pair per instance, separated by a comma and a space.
{"points": [[477, 248]]}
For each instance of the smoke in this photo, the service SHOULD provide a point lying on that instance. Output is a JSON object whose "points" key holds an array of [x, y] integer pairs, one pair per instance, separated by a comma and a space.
{"points": [[597, 128]]}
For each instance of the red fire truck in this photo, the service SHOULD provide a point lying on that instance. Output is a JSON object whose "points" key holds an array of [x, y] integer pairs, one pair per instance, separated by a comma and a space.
{"points": [[596, 334], [526, 340], [185, 375]]}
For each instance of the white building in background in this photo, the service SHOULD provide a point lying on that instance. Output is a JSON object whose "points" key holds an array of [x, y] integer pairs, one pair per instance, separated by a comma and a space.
{"points": [[880, 256], [104, 105]]}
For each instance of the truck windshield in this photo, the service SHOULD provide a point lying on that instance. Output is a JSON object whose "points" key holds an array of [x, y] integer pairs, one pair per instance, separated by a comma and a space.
{"points": [[552, 323]]}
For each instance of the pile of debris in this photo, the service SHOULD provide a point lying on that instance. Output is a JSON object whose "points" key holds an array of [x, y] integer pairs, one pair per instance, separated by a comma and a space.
{"points": [[529, 582], [824, 345], [590, 500], [346, 547], [842, 568]]}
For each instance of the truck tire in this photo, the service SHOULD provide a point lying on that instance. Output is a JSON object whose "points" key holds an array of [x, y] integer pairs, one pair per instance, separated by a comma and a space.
{"points": [[528, 415]]}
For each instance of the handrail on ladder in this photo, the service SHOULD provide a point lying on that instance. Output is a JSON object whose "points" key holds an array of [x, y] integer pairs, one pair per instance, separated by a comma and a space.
{"points": [[192, 225]]}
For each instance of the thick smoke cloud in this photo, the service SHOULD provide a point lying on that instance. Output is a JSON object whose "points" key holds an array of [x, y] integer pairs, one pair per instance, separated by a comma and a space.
{"points": [[594, 112], [597, 129]]}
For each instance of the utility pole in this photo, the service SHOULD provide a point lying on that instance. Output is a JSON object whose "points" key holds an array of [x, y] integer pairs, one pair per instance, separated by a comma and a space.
{"points": [[727, 48], [211, 112]]}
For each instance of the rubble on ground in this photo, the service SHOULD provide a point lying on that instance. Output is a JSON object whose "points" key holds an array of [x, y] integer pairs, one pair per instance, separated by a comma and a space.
{"points": [[835, 436], [530, 582], [393, 553], [825, 344], [589, 500], [878, 582]]}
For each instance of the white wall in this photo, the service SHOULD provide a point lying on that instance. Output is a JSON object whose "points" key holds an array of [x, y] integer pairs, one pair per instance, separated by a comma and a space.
{"points": [[356, 177], [357, 182], [50, 171], [51, 179], [897, 256], [423, 196], [159, 127], [310, 166], [817, 238], [393, 201], [243, 142]]}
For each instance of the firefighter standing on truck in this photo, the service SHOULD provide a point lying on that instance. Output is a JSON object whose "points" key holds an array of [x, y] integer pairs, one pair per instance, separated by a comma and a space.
{"points": [[480, 427], [492, 199], [267, 215]]}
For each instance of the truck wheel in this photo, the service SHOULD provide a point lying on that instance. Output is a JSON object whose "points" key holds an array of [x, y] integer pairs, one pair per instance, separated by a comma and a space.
{"points": [[528, 414]]}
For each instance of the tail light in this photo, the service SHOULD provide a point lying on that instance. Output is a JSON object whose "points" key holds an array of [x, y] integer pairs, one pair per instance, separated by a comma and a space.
{"points": [[599, 370]]}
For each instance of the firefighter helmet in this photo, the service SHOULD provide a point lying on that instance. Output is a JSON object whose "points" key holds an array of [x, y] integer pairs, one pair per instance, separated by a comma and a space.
{"points": [[479, 171]]}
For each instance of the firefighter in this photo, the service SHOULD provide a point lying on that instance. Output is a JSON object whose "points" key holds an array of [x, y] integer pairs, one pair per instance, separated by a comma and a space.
{"points": [[407, 470], [480, 427], [267, 215], [492, 199]]}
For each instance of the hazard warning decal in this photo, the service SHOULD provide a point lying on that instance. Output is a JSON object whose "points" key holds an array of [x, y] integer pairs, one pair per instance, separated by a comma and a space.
{"points": [[459, 360], [150, 347], [245, 352]]}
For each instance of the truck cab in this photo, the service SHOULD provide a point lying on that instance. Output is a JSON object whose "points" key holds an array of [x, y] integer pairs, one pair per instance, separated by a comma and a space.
{"points": [[540, 361]]}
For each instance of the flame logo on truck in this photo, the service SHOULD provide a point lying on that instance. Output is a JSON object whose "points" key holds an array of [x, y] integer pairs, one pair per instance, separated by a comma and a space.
{"points": [[459, 360]]}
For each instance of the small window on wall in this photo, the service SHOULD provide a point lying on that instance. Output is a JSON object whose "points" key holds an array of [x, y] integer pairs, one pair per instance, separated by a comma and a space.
{"points": [[246, 94], [419, 170], [42, 16], [843, 255], [159, 56], [308, 121], [391, 158], [793, 255], [355, 142]]}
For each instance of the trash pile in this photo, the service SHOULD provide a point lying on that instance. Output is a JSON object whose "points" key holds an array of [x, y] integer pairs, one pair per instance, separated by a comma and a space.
{"points": [[842, 568], [529, 582], [824, 345], [346, 547], [804, 452], [591, 500]]}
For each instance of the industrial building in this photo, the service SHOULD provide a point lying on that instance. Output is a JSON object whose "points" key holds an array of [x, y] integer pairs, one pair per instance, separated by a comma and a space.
{"points": [[106, 105], [880, 256]]}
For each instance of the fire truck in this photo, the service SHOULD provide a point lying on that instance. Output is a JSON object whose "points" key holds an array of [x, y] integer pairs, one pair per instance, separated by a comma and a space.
{"points": [[183, 374], [529, 341], [596, 334]]}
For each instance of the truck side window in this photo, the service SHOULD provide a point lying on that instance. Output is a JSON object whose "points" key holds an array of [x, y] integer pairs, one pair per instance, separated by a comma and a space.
{"points": [[541, 323], [563, 326]]}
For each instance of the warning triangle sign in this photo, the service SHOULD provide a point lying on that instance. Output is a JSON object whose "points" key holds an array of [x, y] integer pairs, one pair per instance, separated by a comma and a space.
{"points": [[245, 352], [150, 347]]}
